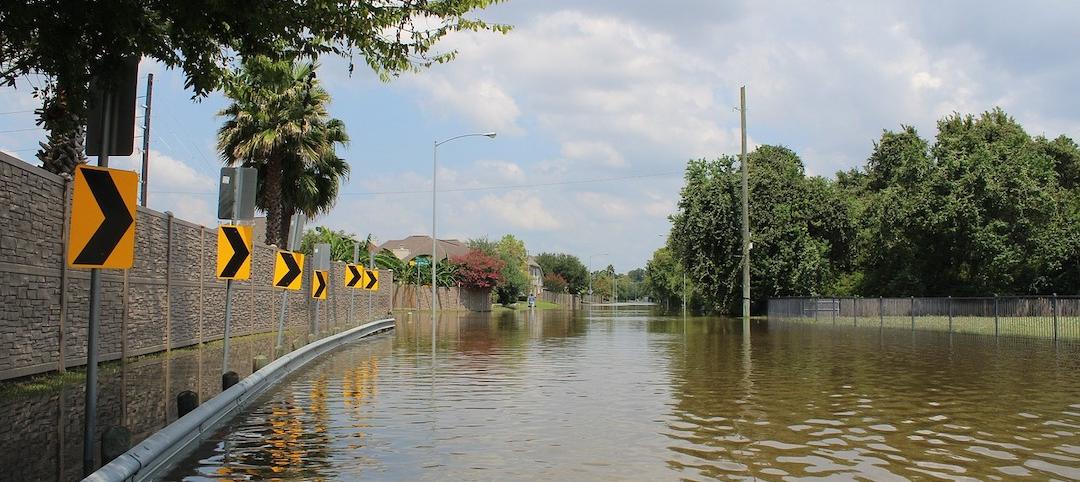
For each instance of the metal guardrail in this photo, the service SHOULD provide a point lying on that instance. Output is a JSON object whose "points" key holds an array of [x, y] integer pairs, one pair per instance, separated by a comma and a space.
{"points": [[160, 449], [1053, 317]]}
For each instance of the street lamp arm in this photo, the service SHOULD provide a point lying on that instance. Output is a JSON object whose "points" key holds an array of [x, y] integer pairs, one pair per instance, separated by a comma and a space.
{"points": [[478, 134]]}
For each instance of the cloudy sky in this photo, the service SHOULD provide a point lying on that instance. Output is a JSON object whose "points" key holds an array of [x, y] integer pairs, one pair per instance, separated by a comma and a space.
{"points": [[599, 104]]}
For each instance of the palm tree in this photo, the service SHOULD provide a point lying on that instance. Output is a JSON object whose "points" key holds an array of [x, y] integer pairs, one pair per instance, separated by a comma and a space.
{"points": [[278, 123]]}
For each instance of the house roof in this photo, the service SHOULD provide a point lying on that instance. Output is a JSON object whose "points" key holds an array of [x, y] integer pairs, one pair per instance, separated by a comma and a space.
{"points": [[417, 245]]}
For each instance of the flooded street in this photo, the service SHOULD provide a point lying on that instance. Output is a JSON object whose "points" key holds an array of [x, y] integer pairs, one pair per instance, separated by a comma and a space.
{"points": [[588, 395]]}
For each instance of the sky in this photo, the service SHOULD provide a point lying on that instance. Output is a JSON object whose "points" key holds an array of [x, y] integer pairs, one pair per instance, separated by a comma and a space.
{"points": [[599, 104]]}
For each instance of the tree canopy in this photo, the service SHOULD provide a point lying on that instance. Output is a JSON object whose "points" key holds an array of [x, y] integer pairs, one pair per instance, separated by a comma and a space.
{"points": [[568, 267], [71, 41], [986, 208]]}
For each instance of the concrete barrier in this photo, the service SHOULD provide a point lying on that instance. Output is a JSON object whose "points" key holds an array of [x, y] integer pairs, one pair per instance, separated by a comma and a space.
{"points": [[155, 453]]}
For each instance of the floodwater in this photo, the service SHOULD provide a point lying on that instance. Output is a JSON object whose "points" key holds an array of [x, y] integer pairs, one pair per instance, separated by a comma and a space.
{"points": [[556, 395], [41, 431]]}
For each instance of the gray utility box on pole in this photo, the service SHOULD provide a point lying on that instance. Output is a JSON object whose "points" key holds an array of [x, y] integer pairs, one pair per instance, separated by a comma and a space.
{"points": [[236, 193]]}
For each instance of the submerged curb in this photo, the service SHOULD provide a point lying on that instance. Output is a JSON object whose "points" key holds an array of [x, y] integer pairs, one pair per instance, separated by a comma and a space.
{"points": [[157, 451]]}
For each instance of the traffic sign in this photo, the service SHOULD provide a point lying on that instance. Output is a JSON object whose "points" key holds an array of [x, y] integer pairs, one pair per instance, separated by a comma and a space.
{"points": [[318, 285], [354, 274], [371, 280], [234, 252], [288, 269], [102, 228]]}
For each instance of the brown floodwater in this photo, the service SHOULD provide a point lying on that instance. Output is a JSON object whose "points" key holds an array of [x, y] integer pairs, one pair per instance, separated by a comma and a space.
{"points": [[600, 395]]}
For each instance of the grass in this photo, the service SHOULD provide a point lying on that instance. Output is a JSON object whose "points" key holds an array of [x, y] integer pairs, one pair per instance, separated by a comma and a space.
{"points": [[524, 305], [1068, 327]]}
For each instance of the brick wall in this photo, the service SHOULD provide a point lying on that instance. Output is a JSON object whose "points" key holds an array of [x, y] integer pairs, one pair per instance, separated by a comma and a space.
{"points": [[169, 299]]}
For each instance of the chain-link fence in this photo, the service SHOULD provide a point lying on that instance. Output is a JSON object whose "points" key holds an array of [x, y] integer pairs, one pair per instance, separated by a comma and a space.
{"points": [[1054, 317]]}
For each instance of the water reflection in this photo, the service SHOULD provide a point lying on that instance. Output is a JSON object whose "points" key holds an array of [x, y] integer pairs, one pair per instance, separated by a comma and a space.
{"points": [[632, 395], [41, 438]]}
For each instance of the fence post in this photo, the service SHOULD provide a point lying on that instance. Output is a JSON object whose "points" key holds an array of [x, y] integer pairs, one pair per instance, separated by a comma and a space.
{"points": [[996, 324], [834, 308], [912, 313], [855, 310], [950, 313], [1053, 306], [881, 310], [817, 308]]}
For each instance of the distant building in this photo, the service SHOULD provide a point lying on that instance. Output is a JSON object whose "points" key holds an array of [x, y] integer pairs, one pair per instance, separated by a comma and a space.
{"points": [[413, 246], [536, 277]]}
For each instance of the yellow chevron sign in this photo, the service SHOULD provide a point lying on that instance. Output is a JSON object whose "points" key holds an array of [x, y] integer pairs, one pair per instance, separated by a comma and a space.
{"points": [[319, 286]]}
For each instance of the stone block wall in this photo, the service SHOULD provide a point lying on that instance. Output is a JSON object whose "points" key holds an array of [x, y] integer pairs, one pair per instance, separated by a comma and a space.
{"points": [[171, 298]]}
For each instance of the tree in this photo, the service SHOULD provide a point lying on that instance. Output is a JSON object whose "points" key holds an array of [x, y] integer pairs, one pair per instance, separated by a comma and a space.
{"points": [[515, 273], [484, 245], [801, 228], [554, 283], [70, 42], [985, 209], [664, 278], [278, 123], [341, 243], [478, 270], [567, 266]]}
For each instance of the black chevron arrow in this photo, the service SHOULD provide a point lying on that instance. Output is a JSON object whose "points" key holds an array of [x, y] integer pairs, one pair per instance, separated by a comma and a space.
{"points": [[320, 283], [373, 278], [240, 252], [354, 276], [117, 218], [290, 276]]}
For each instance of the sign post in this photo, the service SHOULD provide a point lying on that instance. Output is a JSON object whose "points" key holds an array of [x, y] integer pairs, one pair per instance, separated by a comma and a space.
{"points": [[352, 294], [296, 229], [105, 137], [321, 262], [236, 200], [371, 264]]}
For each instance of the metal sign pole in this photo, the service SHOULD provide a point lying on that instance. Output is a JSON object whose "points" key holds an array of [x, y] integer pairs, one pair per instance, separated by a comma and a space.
{"points": [[94, 322], [237, 186], [371, 264], [352, 293], [291, 245]]}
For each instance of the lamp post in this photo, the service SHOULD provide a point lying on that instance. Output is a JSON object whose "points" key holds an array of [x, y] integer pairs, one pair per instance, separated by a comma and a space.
{"points": [[434, 240], [589, 268]]}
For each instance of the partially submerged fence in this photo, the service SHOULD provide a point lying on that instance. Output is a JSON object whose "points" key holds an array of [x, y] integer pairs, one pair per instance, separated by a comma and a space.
{"points": [[1055, 317]]}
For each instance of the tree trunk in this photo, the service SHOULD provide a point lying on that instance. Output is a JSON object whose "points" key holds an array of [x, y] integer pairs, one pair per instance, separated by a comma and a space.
{"points": [[272, 197], [283, 230]]}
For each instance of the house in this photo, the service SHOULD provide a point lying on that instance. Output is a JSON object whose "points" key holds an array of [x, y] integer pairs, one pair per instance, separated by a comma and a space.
{"points": [[413, 246], [536, 277]]}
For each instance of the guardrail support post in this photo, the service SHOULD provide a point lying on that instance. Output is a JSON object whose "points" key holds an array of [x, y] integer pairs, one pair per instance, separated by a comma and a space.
{"points": [[1053, 306], [950, 313]]}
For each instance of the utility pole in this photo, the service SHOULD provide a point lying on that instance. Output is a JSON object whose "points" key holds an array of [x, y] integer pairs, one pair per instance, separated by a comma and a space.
{"points": [[745, 214], [146, 139]]}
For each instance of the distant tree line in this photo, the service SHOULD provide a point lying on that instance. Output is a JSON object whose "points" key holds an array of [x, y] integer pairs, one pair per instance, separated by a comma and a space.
{"points": [[986, 208]]}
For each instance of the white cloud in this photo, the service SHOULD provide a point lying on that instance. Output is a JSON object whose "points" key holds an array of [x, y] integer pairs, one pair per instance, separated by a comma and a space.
{"points": [[518, 209]]}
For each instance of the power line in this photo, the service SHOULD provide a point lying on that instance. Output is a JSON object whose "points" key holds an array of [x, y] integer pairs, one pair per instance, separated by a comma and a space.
{"points": [[21, 130], [484, 188]]}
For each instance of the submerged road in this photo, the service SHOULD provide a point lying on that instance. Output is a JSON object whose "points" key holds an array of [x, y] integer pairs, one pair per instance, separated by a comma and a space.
{"points": [[594, 395]]}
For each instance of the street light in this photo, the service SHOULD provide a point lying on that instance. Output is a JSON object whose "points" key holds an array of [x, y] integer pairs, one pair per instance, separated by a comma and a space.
{"points": [[434, 240]]}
